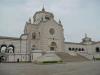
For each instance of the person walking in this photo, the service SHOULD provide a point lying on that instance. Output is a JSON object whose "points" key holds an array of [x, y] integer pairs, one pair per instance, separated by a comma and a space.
{"points": [[93, 58]]}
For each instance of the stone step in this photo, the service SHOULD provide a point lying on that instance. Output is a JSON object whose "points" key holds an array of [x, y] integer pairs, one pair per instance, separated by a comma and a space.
{"points": [[70, 58]]}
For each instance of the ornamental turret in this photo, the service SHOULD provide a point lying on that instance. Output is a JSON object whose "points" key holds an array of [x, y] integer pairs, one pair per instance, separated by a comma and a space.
{"points": [[87, 40]]}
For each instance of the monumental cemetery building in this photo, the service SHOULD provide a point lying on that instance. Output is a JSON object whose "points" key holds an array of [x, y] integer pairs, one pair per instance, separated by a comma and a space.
{"points": [[43, 40]]}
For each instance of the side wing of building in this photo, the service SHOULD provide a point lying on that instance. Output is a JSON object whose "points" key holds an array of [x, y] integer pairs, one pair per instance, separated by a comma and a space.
{"points": [[13, 49]]}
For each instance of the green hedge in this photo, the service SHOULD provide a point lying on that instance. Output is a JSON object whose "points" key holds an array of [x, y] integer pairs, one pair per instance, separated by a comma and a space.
{"points": [[97, 58], [51, 61]]}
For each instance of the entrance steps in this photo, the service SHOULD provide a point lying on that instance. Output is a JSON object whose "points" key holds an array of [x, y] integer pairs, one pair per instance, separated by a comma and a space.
{"points": [[66, 57]]}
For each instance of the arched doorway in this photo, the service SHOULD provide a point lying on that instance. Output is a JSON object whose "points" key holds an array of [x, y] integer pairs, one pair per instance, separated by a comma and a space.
{"points": [[2, 59], [53, 46], [97, 49], [11, 48], [3, 49]]}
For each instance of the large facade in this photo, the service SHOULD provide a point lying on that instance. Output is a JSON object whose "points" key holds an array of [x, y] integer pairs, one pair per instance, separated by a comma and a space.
{"points": [[43, 34]]}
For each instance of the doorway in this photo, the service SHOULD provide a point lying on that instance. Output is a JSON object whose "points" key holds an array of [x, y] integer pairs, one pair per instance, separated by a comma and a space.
{"points": [[53, 46], [2, 59]]}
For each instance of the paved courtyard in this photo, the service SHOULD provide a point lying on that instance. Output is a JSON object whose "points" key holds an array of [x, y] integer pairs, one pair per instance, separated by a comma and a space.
{"points": [[73, 68]]}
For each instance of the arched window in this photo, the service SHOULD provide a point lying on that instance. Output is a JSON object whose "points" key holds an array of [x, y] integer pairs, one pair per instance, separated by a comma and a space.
{"points": [[3, 49], [69, 49], [72, 49], [79, 49], [97, 49], [11, 48], [51, 31], [82, 49], [34, 35]]}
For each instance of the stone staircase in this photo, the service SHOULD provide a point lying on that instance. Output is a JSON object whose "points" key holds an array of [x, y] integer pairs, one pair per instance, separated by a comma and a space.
{"points": [[87, 55], [70, 58]]}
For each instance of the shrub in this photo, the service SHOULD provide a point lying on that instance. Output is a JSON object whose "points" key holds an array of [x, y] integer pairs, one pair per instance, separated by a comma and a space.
{"points": [[97, 58], [52, 61]]}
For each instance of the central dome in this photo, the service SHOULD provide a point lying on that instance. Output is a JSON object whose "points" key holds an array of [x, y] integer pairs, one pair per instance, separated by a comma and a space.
{"points": [[42, 16]]}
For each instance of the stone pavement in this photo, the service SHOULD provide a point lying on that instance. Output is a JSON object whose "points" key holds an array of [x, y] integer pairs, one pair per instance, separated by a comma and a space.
{"points": [[70, 68]]}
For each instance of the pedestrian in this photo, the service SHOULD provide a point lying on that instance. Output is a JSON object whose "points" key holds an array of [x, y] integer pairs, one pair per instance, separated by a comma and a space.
{"points": [[93, 58]]}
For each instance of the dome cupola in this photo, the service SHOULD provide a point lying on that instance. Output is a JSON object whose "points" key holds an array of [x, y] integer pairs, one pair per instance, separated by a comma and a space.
{"points": [[42, 16], [86, 40]]}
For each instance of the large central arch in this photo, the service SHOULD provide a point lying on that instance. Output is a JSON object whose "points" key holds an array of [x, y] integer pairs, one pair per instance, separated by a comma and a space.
{"points": [[53, 46]]}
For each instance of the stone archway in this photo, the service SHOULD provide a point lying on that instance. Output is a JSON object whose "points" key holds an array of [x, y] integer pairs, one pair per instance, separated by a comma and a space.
{"points": [[2, 58], [53, 46], [11, 48], [3, 48]]}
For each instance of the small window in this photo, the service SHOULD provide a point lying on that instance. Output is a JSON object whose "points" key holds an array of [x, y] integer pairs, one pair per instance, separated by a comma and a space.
{"points": [[33, 35], [47, 18], [52, 31]]}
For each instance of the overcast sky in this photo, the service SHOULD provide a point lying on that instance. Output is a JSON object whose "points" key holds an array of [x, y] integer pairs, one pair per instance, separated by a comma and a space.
{"points": [[78, 16]]}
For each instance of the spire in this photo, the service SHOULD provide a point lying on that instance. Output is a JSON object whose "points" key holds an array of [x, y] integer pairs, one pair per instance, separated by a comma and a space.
{"points": [[43, 9]]}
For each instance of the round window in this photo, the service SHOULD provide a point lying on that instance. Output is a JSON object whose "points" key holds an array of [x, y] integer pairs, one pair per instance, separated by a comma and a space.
{"points": [[52, 31]]}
